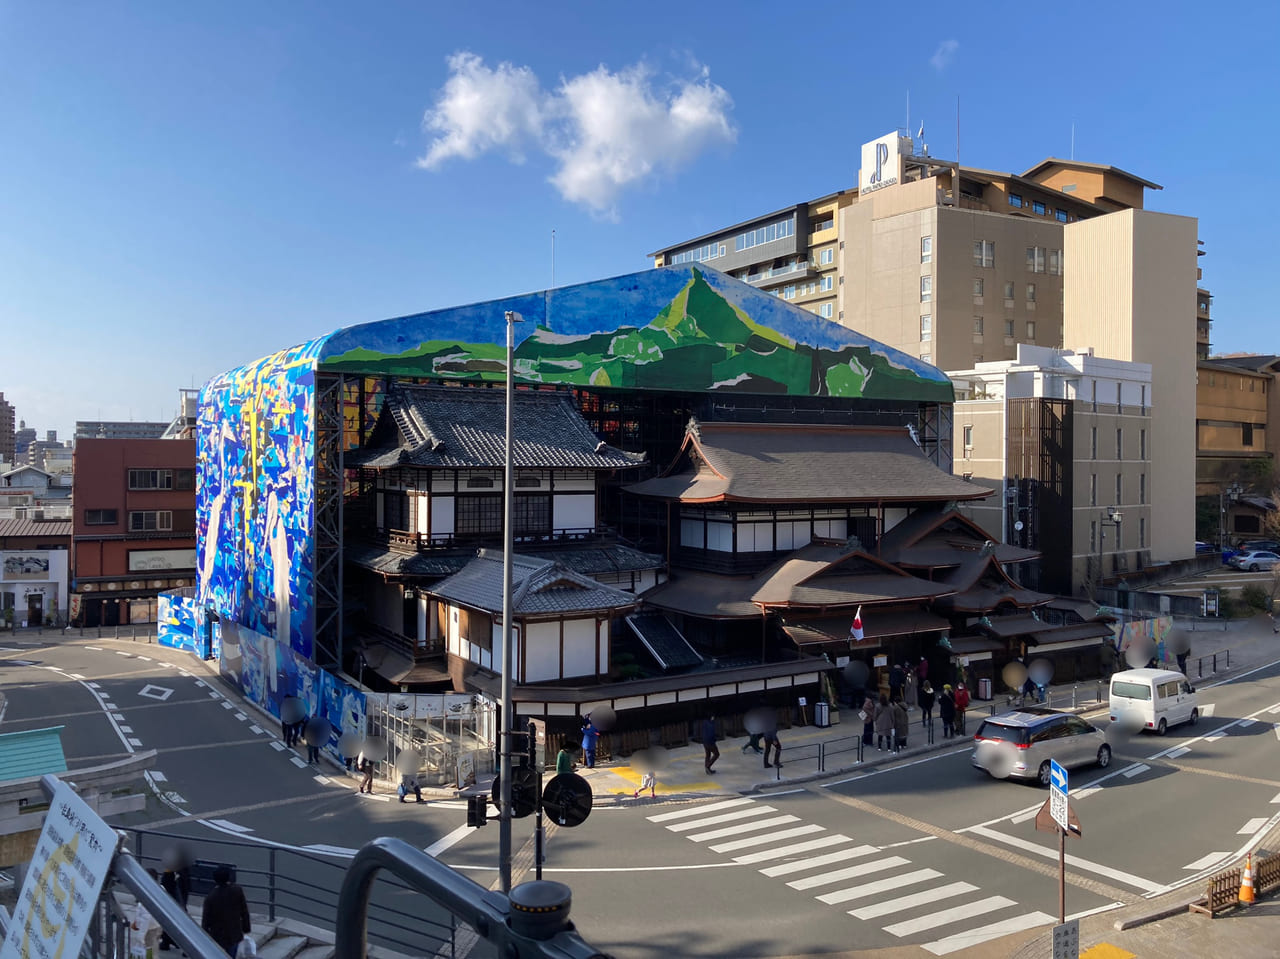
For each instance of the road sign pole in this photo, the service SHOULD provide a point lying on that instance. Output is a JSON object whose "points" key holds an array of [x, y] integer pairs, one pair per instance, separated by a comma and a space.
{"points": [[1062, 875]]}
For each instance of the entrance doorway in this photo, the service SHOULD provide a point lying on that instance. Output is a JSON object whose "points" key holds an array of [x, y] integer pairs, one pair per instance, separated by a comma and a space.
{"points": [[35, 609]]}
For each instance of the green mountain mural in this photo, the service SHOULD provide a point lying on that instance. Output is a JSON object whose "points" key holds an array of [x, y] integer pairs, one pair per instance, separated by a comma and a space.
{"points": [[698, 341]]}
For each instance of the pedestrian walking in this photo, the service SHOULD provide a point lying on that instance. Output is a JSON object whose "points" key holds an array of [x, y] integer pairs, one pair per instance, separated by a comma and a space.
{"points": [[926, 703], [175, 879], [365, 765], [901, 725], [897, 676], [753, 743], [962, 703], [590, 736], [226, 912], [710, 751], [884, 722], [648, 781], [922, 671], [1182, 662], [774, 745], [564, 761], [409, 784], [868, 720], [145, 932], [947, 711]]}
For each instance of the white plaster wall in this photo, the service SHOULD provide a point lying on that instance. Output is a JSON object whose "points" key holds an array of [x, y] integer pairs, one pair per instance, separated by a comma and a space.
{"points": [[574, 512], [580, 647], [442, 515], [542, 652]]}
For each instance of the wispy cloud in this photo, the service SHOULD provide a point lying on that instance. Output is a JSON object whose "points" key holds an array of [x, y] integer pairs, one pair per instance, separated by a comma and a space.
{"points": [[606, 130], [944, 55]]}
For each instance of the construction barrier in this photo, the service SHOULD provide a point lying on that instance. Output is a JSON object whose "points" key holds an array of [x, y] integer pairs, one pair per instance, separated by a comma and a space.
{"points": [[1222, 893], [1266, 874]]}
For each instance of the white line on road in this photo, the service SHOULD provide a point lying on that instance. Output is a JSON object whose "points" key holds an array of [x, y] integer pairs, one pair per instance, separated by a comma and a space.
{"points": [[96, 649], [935, 919], [884, 769], [813, 862], [449, 839], [723, 817], [225, 824], [1086, 792], [1276, 729], [883, 885], [75, 675], [137, 743], [199, 682], [737, 844], [277, 745], [1245, 723], [241, 716], [330, 850], [107, 705], [1135, 770], [699, 810], [118, 717], [849, 872], [909, 842], [1252, 826], [126, 729], [226, 704], [1180, 751], [121, 652], [1204, 862], [323, 780], [1031, 814], [1095, 910], [158, 776], [297, 762], [738, 828], [796, 847], [1083, 864], [891, 906], [145, 659], [256, 730], [1274, 709], [973, 937], [1276, 798], [93, 685]]}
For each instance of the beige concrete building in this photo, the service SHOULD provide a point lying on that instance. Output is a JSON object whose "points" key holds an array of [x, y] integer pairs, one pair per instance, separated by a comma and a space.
{"points": [[1065, 437]]}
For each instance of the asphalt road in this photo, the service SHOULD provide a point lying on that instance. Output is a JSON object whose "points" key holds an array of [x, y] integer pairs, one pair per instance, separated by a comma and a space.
{"points": [[929, 856]]}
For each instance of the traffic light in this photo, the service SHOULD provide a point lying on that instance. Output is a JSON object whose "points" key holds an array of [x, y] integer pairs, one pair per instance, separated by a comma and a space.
{"points": [[477, 810]]}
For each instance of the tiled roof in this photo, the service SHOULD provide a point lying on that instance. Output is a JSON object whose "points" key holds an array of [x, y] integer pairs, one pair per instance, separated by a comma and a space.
{"points": [[704, 594], [1018, 624], [590, 561], [538, 587], [1057, 635], [593, 561], [465, 428], [981, 585], [31, 752], [393, 563], [931, 539], [49, 529], [821, 574], [875, 625], [787, 463]]}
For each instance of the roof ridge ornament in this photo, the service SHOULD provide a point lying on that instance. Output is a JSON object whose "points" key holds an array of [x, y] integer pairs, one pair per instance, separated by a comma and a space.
{"points": [[694, 428], [853, 544]]}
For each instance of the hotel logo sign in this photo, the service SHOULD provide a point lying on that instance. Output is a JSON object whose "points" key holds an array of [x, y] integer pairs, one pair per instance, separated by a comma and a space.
{"points": [[881, 163]]}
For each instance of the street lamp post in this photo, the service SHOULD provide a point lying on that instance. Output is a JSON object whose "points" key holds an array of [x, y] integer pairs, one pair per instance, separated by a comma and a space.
{"points": [[1113, 517], [506, 720], [1226, 496]]}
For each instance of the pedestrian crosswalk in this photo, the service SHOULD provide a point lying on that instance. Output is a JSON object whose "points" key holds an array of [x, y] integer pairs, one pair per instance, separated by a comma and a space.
{"points": [[914, 902]]}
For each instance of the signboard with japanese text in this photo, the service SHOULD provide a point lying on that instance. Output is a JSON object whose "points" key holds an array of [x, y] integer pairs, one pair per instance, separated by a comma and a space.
{"points": [[63, 882]]}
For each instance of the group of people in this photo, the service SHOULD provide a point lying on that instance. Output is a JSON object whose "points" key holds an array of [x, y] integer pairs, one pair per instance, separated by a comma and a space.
{"points": [[225, 916], [292, 734], [887, 718]]}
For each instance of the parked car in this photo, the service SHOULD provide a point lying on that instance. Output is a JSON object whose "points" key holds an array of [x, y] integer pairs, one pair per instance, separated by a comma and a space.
{"points": [[1255, 560], [1203, 547], [1270, 545], [1019, 745]]}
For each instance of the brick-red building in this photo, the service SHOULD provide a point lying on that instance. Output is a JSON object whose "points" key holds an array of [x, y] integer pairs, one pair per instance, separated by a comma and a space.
{"points": [[134, 528]]}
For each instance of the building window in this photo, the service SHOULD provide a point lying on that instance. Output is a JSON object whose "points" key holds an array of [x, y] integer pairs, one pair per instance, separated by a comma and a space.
{"points": [[789, 292], [1120, 444], [926, 249], [1143, 388], [1031, 329], [710, 251], [1031, 292], [1094, 386], [1035, 259], [1142, 489], [1119, 398], [827, 310], [1037, 208], [1093, 489], [479, 482], [1142, 444], [968, 437], [1246, 434], [1060, 215], [926, 289], [778, 230], [926, 357], [100, 517], [977, 325], [1142, 532], [148, 520], [827, 257], [926, 326], [1093, 536], [826, 283], [1015, 200], [531, 514], [152, 479], [1093, 442], [1009, 291], [984, 253], [1055, 262], [1008, 327], [1119, 489], [977, 286]]}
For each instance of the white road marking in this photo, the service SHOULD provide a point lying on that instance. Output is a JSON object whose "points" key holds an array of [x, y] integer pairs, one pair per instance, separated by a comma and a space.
{"points": [[890, 906], [1276, 798], [226, 704], [126, 729], [1135, 770], [152, 691], [93, 685], [96, 649], [449, 839], [118, 717], [796, 847], [723, 817], [698, 811], [1276, 729], [968, 747], [331, 850], [739, 828], [297, 762], [1024, 816], [1214, 737], [1086, 792], [1204, 862], [135, 742], [199, 682], [941, 918], [241, 716], [223, 823], [1180, 751], [107, 705], [813, 862], [1083, 864], [256, 730], [158, 776], [1252, 826], [973, 937], [121, 652], [277, 745], [1274, 709], [213, 694], [849, 872], [1207, 710], [145, 659], [324, 780], [1245, 723], [883, 885], [772, 837], [75, 675], [173, 797]]}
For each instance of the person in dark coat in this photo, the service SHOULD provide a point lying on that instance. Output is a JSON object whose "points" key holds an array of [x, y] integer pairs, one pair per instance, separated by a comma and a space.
{"points": [[366, 769], [176, 881], [897, 678], [711, 752], [925, 699], [772, 745], [947, 712], [884, 722], [901, 725], [869, 721], [226, 912]]}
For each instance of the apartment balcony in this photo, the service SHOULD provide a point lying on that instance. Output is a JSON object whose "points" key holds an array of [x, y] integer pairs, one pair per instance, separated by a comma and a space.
{"points": [[796, 271]]}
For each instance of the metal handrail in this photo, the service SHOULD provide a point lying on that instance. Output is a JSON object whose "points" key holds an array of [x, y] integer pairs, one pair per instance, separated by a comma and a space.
{"points": [[532, 922]]}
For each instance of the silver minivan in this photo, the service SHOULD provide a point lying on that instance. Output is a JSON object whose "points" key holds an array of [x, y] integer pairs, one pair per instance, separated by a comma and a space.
{"points": [[1019, 745]]}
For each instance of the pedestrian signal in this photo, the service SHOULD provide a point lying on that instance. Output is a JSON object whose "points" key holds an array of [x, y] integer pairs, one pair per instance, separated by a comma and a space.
{"points": [[477, 810]]}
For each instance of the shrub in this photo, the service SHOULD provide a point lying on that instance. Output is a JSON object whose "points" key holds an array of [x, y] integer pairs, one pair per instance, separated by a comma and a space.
{"points": [[1255, 597]]}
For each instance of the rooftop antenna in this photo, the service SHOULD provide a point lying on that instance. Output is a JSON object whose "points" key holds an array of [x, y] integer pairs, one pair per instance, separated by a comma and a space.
{"points": [[1073, 140], [908, 128], [957, 132]]}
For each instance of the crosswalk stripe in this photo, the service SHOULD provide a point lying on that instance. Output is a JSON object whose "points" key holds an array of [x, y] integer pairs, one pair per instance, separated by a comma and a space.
{"points": [[1180, 751], [849, 872], [813, 862], [1087, 791], [913, 900], [946, 916], [781, 852], [1006, 927], [739, 828], [723, 817], [1252, 826], [772, 837], [1135, 770], [882, 885], [698, 810]]}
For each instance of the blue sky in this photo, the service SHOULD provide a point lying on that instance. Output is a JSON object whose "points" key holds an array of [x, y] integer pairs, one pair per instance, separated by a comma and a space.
{"points": [[186, 187]]}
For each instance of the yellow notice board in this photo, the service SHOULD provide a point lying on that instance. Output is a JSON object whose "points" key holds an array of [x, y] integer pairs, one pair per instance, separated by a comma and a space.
{"points": [[63, 882]]}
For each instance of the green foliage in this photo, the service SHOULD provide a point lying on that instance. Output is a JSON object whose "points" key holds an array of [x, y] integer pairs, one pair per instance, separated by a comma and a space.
{"points": [[1255, 597], [1207, 519]]}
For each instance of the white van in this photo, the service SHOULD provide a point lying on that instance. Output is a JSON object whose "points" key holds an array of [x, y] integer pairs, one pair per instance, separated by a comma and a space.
{"points": [[1159, 697]]}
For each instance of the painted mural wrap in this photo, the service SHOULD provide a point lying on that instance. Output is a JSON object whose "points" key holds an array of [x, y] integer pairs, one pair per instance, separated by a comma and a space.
{"points": [[675, 328], [180, 624], [266, 671], [1153, 630], [254, 511]]}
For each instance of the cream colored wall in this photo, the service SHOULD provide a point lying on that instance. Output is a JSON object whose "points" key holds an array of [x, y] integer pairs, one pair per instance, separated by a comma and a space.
{"points": [[985, 461], [1129, 277]]}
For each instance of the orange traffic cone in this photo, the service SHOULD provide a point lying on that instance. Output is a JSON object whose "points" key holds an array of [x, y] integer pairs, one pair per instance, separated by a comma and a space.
{"points": [[1246, 882]]}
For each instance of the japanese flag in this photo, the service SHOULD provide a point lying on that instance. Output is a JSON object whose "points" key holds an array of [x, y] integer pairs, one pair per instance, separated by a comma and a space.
{"points": [[856, 630]]}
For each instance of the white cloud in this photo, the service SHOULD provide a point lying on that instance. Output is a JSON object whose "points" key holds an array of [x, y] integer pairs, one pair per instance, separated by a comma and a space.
{"points": [[944, 55], [607, 131]]}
